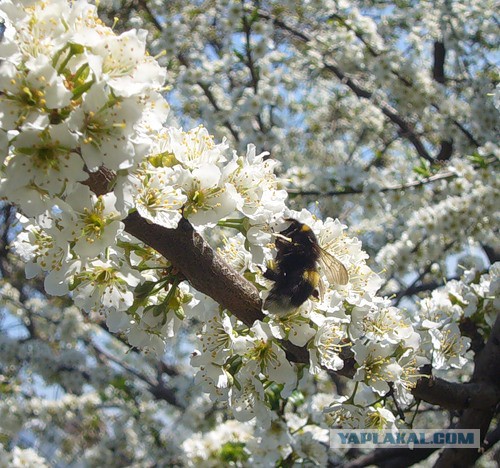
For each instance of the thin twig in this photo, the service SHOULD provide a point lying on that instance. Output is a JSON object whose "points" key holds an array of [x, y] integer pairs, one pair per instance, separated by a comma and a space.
{"points": [[353, 191]]}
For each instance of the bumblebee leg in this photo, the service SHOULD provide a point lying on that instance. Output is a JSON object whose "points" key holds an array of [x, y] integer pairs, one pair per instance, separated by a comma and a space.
{"points": [[271, 273]]}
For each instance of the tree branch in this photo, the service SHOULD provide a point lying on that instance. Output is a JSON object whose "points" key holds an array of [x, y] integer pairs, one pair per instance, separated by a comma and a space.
{"points": [[486, 373], [156, 388], [390, 458], [353, 191], [456, 396], [417, 288], [439, 58], [209, 274], [205, 270]]}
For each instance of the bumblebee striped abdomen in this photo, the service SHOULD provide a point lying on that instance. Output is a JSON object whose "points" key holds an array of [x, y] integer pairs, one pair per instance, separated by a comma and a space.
{"points": [[312, 277], [291, 290]]}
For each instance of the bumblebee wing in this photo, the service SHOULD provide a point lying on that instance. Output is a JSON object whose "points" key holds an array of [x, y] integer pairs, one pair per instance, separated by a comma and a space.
{"points": [[321, 289], [335, 271]]}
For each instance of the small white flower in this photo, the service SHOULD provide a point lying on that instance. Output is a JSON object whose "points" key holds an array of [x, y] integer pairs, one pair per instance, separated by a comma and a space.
{"points": [[216, 340], [209, 197], [45, 160], [311, 445], [344, 415], [379, 418], [328, 343], [141, 339], [157, 198], [194, 148], [449, 347], [105, 284], [254, 180], [91, 222], [377, 366], [248, 401], [121, 61], [36, 89], [382, 324], [293, 327], [261, 354]]}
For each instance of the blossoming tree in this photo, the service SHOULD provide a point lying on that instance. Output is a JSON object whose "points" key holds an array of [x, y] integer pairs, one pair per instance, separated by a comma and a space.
{"points": [[145, 241]]}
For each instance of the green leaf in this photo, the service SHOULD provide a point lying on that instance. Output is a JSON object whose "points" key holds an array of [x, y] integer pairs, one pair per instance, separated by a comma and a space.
{"points": [[120, 383], [478, 160], [254, 16], [296, 398], [273, 393], [233, 452], [239, 55], [143, 290], [423, 169], [179, 312]]}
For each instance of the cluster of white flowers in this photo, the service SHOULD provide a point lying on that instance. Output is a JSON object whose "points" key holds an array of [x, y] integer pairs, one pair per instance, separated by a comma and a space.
{"points": [[63, 362], [452, 220], [109, 434], [56, 382], [22, 458], [76, 97], [474, 299], [226, 443]]}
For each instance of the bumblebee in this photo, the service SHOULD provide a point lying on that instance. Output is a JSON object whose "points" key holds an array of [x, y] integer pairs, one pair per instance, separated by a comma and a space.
{"points": [[295, 270]]}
